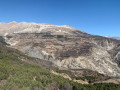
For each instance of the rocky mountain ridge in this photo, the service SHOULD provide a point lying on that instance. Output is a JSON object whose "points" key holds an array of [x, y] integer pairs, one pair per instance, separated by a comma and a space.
{"points": [[117, 37], [65, 46]]}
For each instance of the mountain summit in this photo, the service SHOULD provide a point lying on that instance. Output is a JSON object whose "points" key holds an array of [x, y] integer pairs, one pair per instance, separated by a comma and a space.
{"points": [[23, 27]]}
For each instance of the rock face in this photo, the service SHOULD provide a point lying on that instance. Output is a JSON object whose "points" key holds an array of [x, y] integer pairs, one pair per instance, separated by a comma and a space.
{"points": [[65, 46]]}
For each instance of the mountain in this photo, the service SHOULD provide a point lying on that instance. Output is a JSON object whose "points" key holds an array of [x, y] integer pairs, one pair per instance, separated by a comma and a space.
{"points": [[65, 46], [21, 72], [118, 38]]}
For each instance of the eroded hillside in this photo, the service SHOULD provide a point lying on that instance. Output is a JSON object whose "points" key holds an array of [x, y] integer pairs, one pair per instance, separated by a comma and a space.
{"points": [[21, 72], [65, 46]]}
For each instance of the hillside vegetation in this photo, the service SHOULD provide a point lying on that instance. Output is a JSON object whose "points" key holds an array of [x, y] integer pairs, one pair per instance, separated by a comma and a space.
{"points": [[16, 74]]}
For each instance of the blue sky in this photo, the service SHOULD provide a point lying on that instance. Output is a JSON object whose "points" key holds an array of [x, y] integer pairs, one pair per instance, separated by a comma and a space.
{"points": [[99, 17]]}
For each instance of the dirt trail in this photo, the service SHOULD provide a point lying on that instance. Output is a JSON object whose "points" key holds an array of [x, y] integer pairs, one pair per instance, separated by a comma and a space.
{"points": [[66, 76]]}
